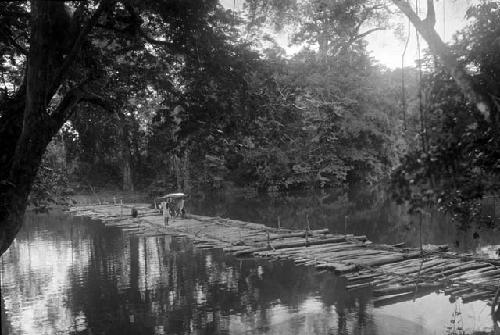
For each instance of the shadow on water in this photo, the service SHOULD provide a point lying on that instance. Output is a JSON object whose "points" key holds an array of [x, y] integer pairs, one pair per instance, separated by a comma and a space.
{"points": [[72, 275]]}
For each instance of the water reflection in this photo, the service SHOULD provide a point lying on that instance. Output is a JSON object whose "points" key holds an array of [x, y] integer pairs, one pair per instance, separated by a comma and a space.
{"points": [[362, 211], [70, 275]]}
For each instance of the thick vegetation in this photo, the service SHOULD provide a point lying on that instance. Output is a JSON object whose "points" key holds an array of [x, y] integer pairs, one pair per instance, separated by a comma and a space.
{"points": [[172, 95], [457, 161], [233, 109]]}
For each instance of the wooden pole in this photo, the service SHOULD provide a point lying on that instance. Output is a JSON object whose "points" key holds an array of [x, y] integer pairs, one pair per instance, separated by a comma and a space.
{"points": [[494, 210], [420, 233], [307, 230], [121, 207], [345, 224], [279, 223]]}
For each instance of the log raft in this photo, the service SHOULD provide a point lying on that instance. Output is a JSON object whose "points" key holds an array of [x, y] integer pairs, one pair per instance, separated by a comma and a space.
{"points": [[393, 273]]}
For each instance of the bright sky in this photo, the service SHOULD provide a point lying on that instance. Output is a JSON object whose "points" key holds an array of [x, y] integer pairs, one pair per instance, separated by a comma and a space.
{"points": [[385, 46]]}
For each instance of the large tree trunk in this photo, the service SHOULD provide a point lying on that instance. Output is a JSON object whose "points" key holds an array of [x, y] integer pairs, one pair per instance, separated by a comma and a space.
{"points": [[127, 182], [20, 163], [177, 164], [26, 127], [186, 172], [11, 123]]}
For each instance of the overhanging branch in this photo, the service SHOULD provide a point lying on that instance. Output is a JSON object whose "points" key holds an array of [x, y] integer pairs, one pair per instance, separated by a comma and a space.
{"points": [[356, 38], [68, 61], [366, 33], [74, 96], [98, 100], [431, 15], [63, 110], [463, 80]]}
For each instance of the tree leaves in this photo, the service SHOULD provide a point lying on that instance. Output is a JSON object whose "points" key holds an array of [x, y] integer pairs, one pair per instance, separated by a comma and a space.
{"points": [[459, 167]]}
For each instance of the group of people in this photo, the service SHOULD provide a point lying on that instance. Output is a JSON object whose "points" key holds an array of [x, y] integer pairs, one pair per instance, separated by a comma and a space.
{"points": [[172, 207]]}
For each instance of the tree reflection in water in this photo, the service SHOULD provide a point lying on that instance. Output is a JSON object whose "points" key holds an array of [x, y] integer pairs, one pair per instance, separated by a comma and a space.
{"points": [[70, 275]]}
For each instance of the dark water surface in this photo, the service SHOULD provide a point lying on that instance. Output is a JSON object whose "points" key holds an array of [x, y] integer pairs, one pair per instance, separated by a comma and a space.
{"points": [[72, 275]]}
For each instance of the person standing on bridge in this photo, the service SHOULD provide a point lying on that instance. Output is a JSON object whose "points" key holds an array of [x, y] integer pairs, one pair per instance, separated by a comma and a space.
{"points": [[166, 212]]}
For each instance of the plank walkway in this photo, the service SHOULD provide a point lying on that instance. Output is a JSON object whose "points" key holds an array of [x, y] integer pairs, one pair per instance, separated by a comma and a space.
{"points": [[393, 273]]}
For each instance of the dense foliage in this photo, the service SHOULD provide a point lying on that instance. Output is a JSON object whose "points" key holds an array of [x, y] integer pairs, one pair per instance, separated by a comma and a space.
{"points": [[227, 111], [457, 162]]}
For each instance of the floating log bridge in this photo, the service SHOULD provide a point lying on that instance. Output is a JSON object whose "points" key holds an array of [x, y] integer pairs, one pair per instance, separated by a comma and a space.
{"points": [[393, 273]]}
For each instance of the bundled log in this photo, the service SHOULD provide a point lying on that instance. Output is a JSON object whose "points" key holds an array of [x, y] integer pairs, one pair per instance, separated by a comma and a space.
{"points": [[464, 267], [394, 272], [377, 261], [296, 244], [280, 236]]}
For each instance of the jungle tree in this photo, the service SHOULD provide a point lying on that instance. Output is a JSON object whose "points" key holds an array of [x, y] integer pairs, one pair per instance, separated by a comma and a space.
{"points": [[56, 55]]}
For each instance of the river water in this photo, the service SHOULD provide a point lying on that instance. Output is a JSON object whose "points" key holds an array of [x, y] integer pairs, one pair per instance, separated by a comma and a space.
{"points": [[73, 275]]}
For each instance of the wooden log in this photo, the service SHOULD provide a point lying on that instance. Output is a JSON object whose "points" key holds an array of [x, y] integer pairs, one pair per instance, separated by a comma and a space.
{"points": [[474, 274], [357, 286], [392, 299], [357, 238], [234, 248], [490, 281], [206, 246], [337, 267], [291, 245], [439, 268], [451, 288], [380, 260], [352, 279], [321, 249], [478, 295], [310, 263], [397, 289], [403, 267], [281, 236], [460, 290], [434, 263], [463, 268], [384, 281], [354, 254], [404, 264]]}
